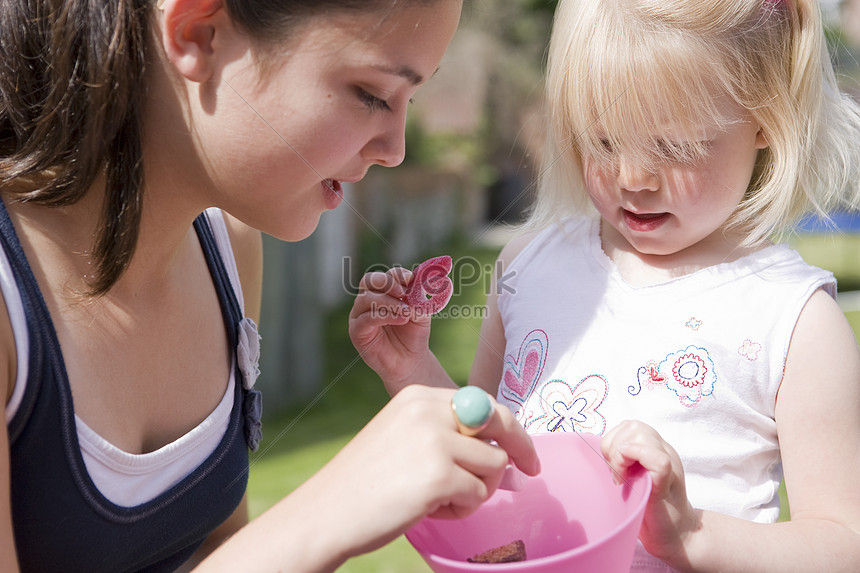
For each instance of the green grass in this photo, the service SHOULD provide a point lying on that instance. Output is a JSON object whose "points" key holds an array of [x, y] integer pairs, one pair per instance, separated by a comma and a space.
{"points": [[298, 442]]}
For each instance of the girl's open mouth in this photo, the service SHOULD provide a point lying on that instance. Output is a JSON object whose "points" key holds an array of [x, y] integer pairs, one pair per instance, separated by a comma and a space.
{"points": [[333, 192]]}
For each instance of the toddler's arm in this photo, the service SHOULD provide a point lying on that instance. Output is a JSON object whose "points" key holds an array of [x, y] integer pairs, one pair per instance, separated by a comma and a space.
{"points": [[818, 421], [489, 360]]}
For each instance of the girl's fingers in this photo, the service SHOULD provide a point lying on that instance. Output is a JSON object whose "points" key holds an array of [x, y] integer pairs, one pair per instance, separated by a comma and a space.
{"points": [[512, 438], [393, 282], [468, 492], [382, 300], [484, 460], [379, 309]]}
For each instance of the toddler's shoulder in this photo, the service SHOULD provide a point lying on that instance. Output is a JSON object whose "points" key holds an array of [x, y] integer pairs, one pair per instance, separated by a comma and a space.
{"points": [[574, 229], [516, 245]]}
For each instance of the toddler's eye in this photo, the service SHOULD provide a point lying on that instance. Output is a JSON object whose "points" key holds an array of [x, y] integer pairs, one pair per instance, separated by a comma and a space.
{"points": [[372, 102], [681, 152]]}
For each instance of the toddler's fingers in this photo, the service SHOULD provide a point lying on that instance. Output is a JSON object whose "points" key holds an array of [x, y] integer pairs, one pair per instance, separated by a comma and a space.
{"points": [[661, 464], [614, 445], [635, 442]]}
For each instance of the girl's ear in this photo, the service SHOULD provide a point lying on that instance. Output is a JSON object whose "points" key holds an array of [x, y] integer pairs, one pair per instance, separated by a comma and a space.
{"points": [[188, 29]]}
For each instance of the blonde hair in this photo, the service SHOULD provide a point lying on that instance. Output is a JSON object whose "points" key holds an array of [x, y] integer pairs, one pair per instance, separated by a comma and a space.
{"points": [[616, 67]]}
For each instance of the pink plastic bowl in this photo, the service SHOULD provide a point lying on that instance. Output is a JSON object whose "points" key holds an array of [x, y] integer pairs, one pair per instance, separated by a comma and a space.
{"points": [[572, 517]]}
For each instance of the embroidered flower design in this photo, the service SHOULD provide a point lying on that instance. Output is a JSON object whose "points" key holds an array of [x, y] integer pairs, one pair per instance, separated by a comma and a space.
{"points": [[248, 357], [567, 408], [749, 350], [694, 323], [690, 374], [689, 371]]}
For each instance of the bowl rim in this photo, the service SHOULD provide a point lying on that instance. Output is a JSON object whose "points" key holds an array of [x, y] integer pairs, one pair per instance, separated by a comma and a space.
{"points": [[642, 477]]}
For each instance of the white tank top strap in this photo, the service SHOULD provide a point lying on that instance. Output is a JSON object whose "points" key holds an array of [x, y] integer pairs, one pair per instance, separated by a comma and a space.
{"points": [[225, 247], [15, 309]]}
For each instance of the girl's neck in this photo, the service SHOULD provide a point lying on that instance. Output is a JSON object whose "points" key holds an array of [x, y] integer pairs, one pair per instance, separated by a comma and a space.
{"points": [[65, 237], [642, 269]]}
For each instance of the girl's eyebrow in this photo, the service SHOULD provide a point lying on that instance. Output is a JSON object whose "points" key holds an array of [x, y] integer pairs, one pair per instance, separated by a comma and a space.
{"points": [[404, 72]]}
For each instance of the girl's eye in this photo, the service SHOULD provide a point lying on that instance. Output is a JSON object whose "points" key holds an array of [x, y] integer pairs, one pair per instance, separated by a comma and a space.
{"points": [[372, 102]]}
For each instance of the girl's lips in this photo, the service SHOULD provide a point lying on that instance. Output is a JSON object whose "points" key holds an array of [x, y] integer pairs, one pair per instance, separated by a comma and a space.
{"points": [[644, 222], [333, 193]]}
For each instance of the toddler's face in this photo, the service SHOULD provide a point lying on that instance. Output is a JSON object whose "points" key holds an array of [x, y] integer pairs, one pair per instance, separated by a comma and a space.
{"points": [[666, 205]]}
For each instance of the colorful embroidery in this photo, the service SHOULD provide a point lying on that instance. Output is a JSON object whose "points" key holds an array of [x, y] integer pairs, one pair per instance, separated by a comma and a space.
{"points": [[522, 372], [689, 373], [694, 323], [750, 350], [648, 377], [566, 409]]}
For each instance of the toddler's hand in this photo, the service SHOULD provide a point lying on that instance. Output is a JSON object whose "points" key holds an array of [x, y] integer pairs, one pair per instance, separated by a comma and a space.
{"points": [[669, 517]]}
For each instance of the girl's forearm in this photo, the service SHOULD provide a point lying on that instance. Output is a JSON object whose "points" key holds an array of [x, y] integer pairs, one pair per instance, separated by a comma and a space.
{"points": [[428, 372], [725, 543], [297, 534]]}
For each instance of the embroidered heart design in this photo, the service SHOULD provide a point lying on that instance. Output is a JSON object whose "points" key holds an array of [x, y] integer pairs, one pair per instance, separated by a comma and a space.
{"points": [[431, 288], [522, 373]]}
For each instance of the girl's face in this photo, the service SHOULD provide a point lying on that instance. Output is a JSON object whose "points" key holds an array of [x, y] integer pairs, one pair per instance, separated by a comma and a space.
{"points": [[277, 147], [670, 205]]}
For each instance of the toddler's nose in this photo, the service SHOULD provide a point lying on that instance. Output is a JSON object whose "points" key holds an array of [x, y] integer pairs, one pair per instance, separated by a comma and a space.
{"points": [[633, 176]]}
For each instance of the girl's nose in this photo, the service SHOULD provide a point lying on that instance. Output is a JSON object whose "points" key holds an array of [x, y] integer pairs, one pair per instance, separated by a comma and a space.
{"points": [[633, 176], [388, 148]]}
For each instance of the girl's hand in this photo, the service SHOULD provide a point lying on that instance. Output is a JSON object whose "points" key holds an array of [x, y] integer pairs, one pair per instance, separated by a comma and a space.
{"points": [[422, 465], [392, 339], [408, 462], [669, 518]]}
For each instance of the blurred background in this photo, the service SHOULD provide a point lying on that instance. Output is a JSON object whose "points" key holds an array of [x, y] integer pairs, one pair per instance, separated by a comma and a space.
{"points": [[473, 141]]}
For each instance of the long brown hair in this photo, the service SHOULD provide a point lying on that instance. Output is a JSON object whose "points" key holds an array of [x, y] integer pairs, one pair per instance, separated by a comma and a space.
{"points": [[70, 93]]}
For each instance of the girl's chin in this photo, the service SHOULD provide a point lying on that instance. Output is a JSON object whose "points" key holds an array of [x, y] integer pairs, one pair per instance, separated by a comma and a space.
{"points": [[293, 231]]}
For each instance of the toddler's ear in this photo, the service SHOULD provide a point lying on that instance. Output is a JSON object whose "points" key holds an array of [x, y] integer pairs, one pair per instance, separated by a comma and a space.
{"points": [[761, 139], [188, 31]]}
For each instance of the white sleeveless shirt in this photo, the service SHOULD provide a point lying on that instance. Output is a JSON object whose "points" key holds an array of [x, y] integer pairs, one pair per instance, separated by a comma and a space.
{"points": [[699, 358]]}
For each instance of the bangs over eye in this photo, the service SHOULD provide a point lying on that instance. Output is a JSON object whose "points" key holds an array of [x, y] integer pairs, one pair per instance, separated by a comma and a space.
{"points": [[636, 87]]}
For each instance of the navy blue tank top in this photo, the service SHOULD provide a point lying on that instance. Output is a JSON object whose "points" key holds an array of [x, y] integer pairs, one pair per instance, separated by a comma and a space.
{"points": [[61, 521]]}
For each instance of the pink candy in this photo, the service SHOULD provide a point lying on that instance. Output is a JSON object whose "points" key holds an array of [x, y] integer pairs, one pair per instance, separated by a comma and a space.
{"points": [[430, 289]]}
